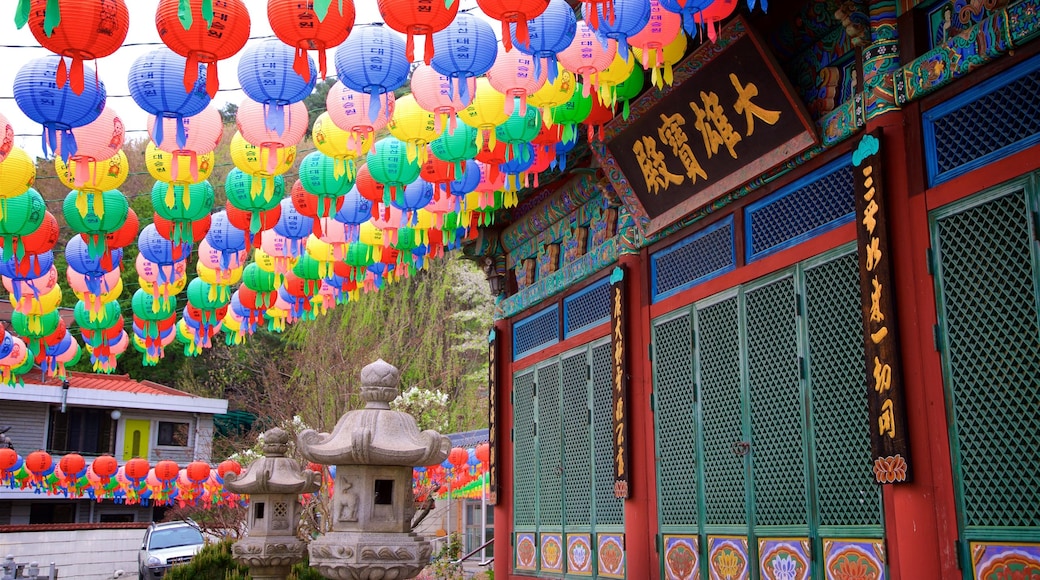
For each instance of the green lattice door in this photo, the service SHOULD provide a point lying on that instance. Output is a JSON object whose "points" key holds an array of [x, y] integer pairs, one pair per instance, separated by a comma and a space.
{"points": [[986, 274], [761, 415]]}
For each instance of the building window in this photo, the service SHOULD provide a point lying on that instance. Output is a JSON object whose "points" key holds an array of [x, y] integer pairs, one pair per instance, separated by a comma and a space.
{"points": [[52, 512], [116, 518], [173, 434], [81, 430]]}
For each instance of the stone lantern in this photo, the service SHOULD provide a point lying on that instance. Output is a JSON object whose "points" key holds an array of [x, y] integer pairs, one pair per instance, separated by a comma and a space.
{"points": [[274, 484], [374, 450]]}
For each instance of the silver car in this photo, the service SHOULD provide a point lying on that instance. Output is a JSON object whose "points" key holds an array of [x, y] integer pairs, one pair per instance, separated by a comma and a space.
{"points": [[166, 545]]}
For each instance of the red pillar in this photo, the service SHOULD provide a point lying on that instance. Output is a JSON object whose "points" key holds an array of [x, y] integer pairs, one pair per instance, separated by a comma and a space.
{"points": [[503, 450], [641, 506], [920, 520]]}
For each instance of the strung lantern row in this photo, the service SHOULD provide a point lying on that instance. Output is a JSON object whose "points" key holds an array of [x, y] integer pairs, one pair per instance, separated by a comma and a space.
{"points": [[461, 475], [135, 482]]}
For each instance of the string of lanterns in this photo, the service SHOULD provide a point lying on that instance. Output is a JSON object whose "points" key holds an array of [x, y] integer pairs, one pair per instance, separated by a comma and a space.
{"points": [[484, 118]]}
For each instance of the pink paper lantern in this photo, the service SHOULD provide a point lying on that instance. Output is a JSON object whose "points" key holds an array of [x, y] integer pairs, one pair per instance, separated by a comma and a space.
{"points": [[513, 75], [250, 122], [96, 141], [433, 92], [6, 137], [202, 133], [587, 56], [662, 29], [350, 111]]}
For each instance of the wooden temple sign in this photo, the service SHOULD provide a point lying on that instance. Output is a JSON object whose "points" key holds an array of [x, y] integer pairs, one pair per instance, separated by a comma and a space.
{"points": [[730, 116], [888, 436], [619, 382], [492, 467]]}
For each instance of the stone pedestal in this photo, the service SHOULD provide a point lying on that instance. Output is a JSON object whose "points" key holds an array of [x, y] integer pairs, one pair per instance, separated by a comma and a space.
{"points": [[269, 558], [369, 556]]}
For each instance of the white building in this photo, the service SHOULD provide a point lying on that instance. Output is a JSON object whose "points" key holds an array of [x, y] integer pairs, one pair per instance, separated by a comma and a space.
{"points": [[99, 414]]}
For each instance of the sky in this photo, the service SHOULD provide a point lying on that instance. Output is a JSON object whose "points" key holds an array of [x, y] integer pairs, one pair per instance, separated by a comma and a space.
{"points": [[141, 38]]}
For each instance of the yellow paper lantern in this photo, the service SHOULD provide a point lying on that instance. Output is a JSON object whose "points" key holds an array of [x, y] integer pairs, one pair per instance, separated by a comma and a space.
{"points": [[165, 289], [338, 143], [320, 250], [105, 175], [553, 94], [486, 112], [161, 167], [612, 76], [17, 173], [371, 235], [415, 126], [261, 161], [672, 53], [38, 305], [215, 277], [95, 301]]}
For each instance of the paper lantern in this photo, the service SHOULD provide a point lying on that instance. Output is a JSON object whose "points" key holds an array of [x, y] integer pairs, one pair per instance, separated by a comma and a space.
{"points": [[625, 18], [194, 136], [96, 227], [516, 12], [126, 234], [94, 268], [486, 112], [372, 61], [8, 459], [191, 203], [198, 472], [553, 94], [548, 34], [348, 113], [513, 75], [414, 126], [466, 49], [369, 188], [155, 83], [390, 165], [88, 29], [162, 252], [414, 17], [659, 31], [73, 465], [39, 462], [688, 9], [310, 205], [612, 76], [660, 66], [458, 456], [519, 129], [265, 72], [136, 469], [252, 127], [294, 226], [569, 114], [17, 175], [318, 177], [22, 215], [226, 239], [355, 209], [38, 327], [716, 12], [104, 466], [58, 108], [587, 55], [457, 147], [96, 141], [433, 92], [103, 175], [192, 35], [33, 286], [167, 470], [262, 163], [296, 24]]}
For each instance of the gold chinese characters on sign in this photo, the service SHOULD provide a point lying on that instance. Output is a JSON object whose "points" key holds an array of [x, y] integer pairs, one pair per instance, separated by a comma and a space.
{"points": [[880, 337], [619, 377], [732, 117], [492, 468]]}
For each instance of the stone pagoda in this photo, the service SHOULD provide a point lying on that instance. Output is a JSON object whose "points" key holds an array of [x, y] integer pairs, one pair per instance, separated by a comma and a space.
{"points": [[274, 484], [374, 450]]}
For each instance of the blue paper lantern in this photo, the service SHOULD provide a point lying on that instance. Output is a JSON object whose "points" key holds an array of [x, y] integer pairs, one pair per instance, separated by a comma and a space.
{"points": [[163, 252], [356, 210], [550, 32], [93, 269], [630, 16], [266, 75], [156, 84], [372, 61], [30, 267], [414, 196], [688, 9], [58, 109], [522, 159], [467, 180], [294, 226], [225, 238], [466, 49]]}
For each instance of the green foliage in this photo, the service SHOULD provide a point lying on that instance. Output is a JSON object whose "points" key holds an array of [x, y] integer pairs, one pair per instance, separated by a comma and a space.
{"points": [[443, 565], [213, 562]]}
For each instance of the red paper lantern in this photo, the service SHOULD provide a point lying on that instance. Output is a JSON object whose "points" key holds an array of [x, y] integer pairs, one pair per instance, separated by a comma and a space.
{"points": [[8, 457], [308, 204], [368, 187], [167, 470], [136, 469], [229, 465], [458, 456], [296, 24], [197, 471], [105, 466], [240, 218], [39, 462], [124, 235], [41, 240], [88, 29], [72, 464], [199, 228], [413, 17], [201, 41], [483, 452]]}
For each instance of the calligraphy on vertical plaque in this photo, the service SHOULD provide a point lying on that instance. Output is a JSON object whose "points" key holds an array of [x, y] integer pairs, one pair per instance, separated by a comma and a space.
{"points": [[888, 437], [619, 380], [492, 468]]}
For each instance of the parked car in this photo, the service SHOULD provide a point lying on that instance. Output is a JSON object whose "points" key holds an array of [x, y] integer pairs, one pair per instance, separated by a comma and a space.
{"points": [[166, 545]]}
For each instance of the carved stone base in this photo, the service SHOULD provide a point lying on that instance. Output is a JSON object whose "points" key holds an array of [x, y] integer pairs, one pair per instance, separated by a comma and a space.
{"points": [[269, 558], [369, 556]]}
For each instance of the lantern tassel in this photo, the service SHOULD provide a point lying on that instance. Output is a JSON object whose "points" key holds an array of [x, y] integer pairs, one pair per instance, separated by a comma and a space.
{"points": [[409, 48], [300, 65], [428, 51], [207, 12], [212, 81], [322, 68], [53, 17], [184, 13], [75, 75], [321, 8], [191, 72], [21, 14]]}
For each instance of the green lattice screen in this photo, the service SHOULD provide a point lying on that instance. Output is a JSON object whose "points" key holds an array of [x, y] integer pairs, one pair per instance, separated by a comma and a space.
{"points": [[718, 338], [525, 459], [675, 418], [991, 356], [577, 458], [846, 494], [550, 449], [610, 511], [777, 409]]}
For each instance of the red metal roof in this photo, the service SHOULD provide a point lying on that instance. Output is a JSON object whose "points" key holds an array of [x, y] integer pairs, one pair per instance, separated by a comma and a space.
{"points": [[101, 382]]}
